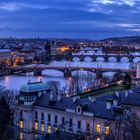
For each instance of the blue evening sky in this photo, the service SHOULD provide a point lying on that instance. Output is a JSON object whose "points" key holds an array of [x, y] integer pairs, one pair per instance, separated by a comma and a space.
{"points": [[94, 19]]}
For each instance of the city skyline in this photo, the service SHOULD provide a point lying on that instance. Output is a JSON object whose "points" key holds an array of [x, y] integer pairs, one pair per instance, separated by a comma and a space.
{"points": [[93, 19]]}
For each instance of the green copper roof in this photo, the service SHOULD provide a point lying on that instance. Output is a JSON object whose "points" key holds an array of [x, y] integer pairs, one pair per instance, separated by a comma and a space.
{"points": [[33, 87]]}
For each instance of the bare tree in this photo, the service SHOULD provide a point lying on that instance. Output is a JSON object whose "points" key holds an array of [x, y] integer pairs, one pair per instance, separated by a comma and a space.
{"points": [[127, 126], [54, 86]]}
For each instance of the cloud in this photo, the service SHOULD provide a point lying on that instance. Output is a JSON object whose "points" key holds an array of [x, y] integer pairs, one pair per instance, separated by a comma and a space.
{"points": [[127, 25], [17, 6], [117, 2]]}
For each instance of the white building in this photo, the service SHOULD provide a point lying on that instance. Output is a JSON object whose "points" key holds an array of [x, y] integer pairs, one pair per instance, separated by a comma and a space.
{"points": [[39, 110], [89, 51]]}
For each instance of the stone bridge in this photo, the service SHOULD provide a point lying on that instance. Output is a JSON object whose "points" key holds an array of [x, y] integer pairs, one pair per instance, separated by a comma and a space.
{"points": [[97, 58], [66, 70]]}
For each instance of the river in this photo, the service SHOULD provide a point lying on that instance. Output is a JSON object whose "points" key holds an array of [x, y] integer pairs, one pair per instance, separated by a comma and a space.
{"points": [[15, 81]]}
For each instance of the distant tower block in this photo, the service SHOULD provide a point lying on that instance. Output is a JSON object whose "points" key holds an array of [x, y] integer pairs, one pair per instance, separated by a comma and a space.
{"points": [[138, 70]]}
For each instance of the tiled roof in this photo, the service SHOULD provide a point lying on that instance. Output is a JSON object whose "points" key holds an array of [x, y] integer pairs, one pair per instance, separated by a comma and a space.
{"points": [[124, 97], [98, 108]]}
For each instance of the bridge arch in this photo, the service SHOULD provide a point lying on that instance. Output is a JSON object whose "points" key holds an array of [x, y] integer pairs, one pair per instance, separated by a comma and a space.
{"points": [[100, 59], [112, 59], [76, 59], [124, 59], [136, 59], [74, 72], [88, 59], [53, 72]]}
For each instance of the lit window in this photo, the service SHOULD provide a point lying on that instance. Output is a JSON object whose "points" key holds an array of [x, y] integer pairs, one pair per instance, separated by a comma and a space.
{"points": [[98, 128], [36, 125], [98, 139], [21, 136], [21, 124], [56, 129], [107, 130], [43, 127], [49, 129]]}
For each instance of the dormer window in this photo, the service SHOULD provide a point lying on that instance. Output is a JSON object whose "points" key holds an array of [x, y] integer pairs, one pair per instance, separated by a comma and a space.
{"points": [[79, 109]]}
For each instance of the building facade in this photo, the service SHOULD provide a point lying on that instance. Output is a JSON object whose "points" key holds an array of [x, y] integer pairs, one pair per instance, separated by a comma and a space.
{"points": [[38, 110]]}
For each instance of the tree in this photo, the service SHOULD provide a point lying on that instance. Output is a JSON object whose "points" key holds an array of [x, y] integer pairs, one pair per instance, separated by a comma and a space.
{"points": [[6, 113], [127, 126], [127, 81], [54, 86]]}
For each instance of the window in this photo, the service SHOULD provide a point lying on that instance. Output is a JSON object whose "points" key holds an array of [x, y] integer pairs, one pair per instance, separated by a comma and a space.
{"points": [[21, 114], [70, 123], [55, 119], [98, 128], [49, 129], [88, 126], [63, 121], [79, 124], [49, 117], [21, 136], [36, 115], [78, 109], [42, 116], [43, 127], [98, 139], [107, 130], [36, 125], [21, 124], [87, 137]]}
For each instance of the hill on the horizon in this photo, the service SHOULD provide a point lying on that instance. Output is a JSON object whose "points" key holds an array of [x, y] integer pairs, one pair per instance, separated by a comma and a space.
{"points": [[130, 39]]}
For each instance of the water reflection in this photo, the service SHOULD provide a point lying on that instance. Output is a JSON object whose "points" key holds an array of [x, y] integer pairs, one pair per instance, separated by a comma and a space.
{"points": [[16, 81]]}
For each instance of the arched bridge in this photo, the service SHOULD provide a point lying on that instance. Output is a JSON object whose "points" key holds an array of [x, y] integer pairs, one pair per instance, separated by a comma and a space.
{"points": [[66, 70], [97, 58]]}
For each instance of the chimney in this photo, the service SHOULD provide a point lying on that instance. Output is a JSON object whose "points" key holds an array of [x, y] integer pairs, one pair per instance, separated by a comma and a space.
{"points": [[115, 103], [75, 98], [108, 104], [92, 99], [117, 93], [130, 91]]}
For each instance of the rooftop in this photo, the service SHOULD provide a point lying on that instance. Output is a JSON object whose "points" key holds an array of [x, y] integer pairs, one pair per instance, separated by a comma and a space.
{"points": [[33, 87]]}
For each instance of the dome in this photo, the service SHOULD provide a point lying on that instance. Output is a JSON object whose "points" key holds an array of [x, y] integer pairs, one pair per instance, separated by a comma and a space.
{"points": [[33, 87]]}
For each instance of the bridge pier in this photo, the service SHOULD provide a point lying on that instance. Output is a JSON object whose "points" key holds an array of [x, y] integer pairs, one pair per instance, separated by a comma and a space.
{"points": [[118, 59], [131, 59], [106, 58], [67, 73], [37, 72]]}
